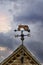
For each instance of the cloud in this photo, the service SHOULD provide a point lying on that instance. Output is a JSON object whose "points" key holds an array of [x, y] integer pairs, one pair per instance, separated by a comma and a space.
{"points": [[4, 23], [7, 45], [23, 12], [29, 10], [7, 41], [36, 48], [2, 48], [42, 63], [4, 52]]}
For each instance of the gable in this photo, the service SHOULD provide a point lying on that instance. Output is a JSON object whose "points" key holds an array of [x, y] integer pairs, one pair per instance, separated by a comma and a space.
{"points": [[20, 56]]}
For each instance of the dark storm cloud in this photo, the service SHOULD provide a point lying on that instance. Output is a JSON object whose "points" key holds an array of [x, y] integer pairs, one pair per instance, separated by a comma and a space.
{"points": [[7, 41], [31, 10], [13, 0], [33, 18], [36, 48], [26, 11]]}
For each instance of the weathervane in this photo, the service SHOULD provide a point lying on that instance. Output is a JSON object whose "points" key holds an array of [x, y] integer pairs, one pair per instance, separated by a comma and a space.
{"points": [[23, 28]]}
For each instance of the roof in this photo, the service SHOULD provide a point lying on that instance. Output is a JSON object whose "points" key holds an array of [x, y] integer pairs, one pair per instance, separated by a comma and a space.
{"points": [[17, 54]]}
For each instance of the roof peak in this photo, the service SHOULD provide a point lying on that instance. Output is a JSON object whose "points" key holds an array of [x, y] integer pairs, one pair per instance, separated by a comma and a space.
{"points": [[17, 55]]}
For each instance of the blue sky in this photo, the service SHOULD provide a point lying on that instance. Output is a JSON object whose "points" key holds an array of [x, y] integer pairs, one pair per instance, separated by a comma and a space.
{"points": [[15, 12]]}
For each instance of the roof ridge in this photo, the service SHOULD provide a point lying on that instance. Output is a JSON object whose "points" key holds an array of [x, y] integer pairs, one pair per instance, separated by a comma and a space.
{"points": [[19, 48]]}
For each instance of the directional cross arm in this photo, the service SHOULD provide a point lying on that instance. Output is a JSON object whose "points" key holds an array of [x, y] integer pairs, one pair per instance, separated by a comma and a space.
{"points": [[22, 35], [17, 35]]}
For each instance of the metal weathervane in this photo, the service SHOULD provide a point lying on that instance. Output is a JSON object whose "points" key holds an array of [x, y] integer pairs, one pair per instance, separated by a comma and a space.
{"points": [[22, 35], [23, 28]]}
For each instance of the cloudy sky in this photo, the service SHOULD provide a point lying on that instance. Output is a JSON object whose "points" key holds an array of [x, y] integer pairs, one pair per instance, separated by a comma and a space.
{"points": [[15, 12]]}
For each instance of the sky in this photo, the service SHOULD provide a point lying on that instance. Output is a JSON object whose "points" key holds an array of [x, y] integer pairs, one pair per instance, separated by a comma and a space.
{"points": [[15, 12]]}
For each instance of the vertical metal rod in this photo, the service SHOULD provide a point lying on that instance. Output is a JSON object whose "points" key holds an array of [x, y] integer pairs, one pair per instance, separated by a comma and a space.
{"points": [[22, 42], [22, 37]]}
